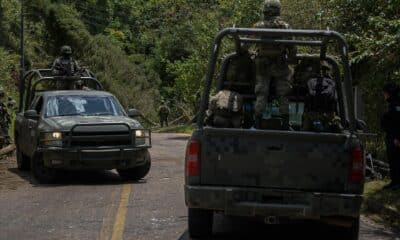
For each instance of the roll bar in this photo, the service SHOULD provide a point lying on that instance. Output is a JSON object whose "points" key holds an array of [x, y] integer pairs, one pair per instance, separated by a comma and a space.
{"points": [[45, 75], [282, 37]]}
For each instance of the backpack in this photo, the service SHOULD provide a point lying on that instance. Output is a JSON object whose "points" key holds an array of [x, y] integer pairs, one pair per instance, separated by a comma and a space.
{"points": [[225, 109], [321, 95]]}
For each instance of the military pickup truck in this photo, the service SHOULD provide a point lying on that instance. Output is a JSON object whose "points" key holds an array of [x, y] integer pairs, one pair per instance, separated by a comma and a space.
{"points": [[275, 175], [74, 129]]}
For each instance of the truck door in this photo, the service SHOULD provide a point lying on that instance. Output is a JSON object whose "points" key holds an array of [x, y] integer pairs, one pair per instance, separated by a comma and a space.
{"points": [[31, 127]]}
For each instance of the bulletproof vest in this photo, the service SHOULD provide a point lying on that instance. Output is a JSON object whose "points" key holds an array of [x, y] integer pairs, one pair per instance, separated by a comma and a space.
{"points": [[226, 103], [268, 49], [321, 95], [68, 65]]}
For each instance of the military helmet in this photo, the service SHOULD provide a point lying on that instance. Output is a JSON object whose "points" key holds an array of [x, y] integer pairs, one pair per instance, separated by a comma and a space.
{"points": [[272, 7], [66, 50]]}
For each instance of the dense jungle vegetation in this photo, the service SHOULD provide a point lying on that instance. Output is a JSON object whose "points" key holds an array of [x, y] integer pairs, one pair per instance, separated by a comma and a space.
{"points": [[148, 50]]}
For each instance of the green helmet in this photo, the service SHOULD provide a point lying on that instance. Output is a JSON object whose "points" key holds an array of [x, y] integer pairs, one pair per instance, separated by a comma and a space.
{"points": [[66, 50], [272, 8]]}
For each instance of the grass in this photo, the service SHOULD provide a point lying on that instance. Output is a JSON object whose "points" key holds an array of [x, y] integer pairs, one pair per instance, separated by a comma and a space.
{"points": [[187, 129], [382, 205]]}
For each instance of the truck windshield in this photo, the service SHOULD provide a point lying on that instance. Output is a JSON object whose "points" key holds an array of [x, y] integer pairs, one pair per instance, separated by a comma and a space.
{"points": [[83, 106]]}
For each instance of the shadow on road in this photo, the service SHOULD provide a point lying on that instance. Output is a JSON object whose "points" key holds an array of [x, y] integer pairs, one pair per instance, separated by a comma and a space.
{"points": [[239, 229], [66, 178]]}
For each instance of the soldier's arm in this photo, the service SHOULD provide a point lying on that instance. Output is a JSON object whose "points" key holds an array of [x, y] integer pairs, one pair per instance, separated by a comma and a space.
{"points": [[56, 68]]}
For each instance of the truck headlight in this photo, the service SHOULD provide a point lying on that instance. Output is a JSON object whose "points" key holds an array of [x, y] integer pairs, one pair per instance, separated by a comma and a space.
{"points": [[52, 139], [142, 138]]}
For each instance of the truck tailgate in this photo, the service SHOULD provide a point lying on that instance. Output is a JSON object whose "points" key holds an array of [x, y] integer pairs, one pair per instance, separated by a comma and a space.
{"points": [[275, 159]]}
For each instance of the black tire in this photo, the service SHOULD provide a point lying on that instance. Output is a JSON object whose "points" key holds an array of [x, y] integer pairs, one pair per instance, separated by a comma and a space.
{"points": [[23, 162], [43, 174], [200, 223], [136, 173], [353, 232]]}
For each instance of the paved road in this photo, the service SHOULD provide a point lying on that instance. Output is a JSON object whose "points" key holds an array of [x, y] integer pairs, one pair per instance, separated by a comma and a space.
{"points": [[99, 205]]}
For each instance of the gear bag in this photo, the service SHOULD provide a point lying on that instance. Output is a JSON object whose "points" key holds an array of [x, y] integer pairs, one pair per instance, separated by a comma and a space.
{"points": [[321, 95], [225, 109]]}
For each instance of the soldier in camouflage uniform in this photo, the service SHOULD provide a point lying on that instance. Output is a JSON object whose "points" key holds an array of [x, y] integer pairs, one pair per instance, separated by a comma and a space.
{"points": [[4, 118], [272, 65], [65, 65], [163, 113]]}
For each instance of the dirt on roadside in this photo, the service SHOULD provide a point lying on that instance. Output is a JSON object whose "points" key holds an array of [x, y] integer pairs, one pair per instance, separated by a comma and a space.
{"points": [[9, 177]]}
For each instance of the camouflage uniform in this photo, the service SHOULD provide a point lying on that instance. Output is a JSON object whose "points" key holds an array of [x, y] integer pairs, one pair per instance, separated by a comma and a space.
{"points": [[163, 113], [225, 110], [5, 118], [65, 65], [272, 66]]}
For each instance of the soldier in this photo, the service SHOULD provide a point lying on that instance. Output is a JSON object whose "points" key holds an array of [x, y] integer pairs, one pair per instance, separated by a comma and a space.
{"points": [[272, 65], [4, 118], [80, 85], [11, 104], [390, 125], [65, 65], [163, 113]]}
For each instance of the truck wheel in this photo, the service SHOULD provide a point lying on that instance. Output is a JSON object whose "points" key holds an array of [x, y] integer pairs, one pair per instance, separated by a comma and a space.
{"points": [[352, 233], [43, 174], [200, 223], [136, 173], [23, 162]]}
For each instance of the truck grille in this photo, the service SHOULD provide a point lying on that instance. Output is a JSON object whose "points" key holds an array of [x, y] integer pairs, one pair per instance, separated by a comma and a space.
{"points": [[99, 139]]}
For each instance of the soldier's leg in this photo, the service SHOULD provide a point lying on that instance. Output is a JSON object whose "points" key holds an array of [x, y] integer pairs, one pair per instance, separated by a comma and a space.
{"points": [[283, 75], [263, 79]]}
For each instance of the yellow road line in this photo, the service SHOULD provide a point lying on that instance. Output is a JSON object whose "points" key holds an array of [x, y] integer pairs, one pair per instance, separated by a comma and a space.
{"points": [[119, 224], [109, 216]]}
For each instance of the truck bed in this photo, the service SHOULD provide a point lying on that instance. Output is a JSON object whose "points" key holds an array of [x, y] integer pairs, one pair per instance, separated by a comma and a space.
{"points": [[276, 159]]}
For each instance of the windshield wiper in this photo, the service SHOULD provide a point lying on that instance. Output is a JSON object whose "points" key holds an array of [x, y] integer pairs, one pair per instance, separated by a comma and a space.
{"points": [[103, 114]]}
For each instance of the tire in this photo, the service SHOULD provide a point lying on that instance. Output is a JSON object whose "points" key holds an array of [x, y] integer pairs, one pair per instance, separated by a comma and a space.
{"points": [[43, 174], [23, 162], [353, 232], [200, 223], [136, 173]]}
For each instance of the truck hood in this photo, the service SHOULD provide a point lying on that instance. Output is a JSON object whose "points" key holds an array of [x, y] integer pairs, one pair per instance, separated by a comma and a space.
{"points": [[65, 123]]}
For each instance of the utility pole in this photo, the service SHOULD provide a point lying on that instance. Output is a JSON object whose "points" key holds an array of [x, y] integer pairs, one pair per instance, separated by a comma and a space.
{"points": [[22, 64]]}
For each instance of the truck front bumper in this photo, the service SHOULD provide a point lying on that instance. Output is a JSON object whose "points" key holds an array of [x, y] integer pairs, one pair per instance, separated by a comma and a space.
{"points": [[94, 158], [253, 202]]}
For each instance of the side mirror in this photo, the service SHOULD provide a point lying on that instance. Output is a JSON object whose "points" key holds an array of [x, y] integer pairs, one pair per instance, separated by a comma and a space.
{"points": [[134, 113], [31, 114]]}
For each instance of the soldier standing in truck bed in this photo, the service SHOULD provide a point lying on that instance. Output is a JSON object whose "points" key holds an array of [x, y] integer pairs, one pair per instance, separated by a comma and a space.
{"points": [[272, 65], [65, 65]]}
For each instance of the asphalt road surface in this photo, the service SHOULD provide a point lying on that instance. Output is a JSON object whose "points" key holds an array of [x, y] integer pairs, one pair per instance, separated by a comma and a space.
{"points": [[98, 205]]}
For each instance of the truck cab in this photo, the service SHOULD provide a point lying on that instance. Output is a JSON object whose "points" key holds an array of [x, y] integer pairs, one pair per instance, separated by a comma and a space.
{"points": [[66, 129], [275, 174]]}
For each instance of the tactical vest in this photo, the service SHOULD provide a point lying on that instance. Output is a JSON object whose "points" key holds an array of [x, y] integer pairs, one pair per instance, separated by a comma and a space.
{"points": [[269, 50]]}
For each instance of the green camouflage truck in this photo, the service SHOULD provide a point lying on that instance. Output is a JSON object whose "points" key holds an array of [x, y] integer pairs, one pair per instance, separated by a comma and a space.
{"points": [[276, 175], [71, 129]]}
